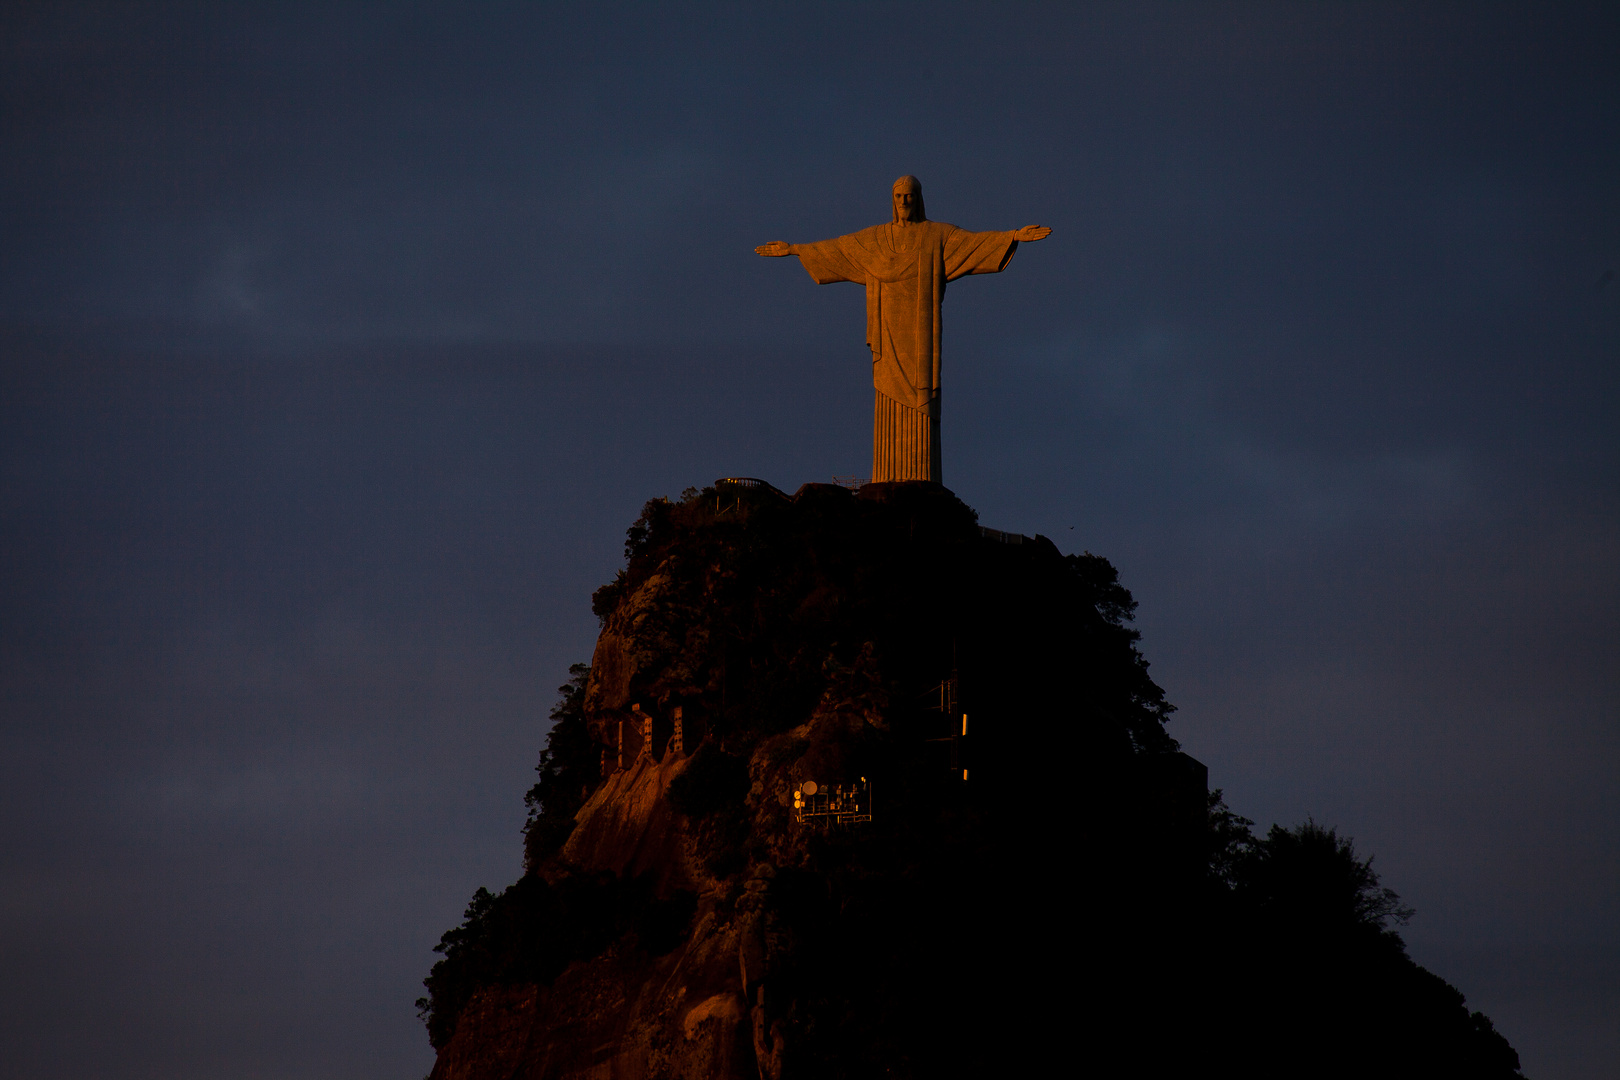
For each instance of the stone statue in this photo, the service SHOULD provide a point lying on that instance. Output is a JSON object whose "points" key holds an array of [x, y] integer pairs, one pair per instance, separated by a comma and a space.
{"points": [[905, 265]]}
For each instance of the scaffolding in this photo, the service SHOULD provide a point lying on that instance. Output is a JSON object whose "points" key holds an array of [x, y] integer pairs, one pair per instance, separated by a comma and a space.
{"points": [[839, 804]]}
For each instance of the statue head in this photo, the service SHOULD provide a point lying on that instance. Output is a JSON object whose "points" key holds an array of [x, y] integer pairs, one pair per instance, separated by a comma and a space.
{"points": [[908, 200]]}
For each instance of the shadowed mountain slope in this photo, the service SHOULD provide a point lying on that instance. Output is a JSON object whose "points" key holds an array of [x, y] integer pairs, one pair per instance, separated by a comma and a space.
{"points": [[853, 787]]}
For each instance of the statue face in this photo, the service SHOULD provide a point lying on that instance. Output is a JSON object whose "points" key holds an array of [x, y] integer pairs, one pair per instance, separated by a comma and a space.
{"points": [[905, 204]]}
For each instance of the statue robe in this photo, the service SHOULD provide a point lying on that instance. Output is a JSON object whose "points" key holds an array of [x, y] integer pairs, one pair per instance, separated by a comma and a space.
{"points": [[905, 270]]}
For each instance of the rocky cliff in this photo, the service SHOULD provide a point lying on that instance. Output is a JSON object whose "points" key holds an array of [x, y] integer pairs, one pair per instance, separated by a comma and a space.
{"points": [[856, 788]]}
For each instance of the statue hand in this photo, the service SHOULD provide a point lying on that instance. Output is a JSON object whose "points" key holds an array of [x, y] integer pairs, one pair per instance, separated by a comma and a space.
{"points": [[775, 249], [1030, 233]]}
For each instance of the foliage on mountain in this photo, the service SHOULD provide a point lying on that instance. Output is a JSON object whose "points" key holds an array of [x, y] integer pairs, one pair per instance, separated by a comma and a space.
{"points": [[1306, 940], [749, 608], [1083, 884], [568, 770], [1309, 881], [534, 928], [714, 781]]}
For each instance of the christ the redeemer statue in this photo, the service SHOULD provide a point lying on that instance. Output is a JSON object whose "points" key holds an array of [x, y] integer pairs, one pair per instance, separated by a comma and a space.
{"points": [[905, 266]]}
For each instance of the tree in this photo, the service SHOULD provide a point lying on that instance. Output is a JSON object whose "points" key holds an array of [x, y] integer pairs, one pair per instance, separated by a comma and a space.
{"points": [[1309, 880], [567, 771]]}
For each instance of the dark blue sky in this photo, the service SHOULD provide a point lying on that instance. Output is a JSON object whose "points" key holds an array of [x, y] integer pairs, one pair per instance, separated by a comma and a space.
{"points": [[338, 345]]}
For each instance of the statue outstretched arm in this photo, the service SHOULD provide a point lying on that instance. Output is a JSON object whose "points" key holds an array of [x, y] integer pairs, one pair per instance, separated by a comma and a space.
{"points": [[985, 252], [825, 260]]}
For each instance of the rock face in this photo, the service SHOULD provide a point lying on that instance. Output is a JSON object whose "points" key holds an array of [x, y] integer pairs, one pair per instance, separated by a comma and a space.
{"points": [[623, 1012], [1036, 876]]}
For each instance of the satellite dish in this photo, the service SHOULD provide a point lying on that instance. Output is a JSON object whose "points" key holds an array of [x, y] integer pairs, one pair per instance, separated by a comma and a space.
{"points": [[810, 787]]}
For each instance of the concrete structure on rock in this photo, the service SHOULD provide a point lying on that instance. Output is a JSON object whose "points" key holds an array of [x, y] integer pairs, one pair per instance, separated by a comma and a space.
{"points": [[905, 266], [643, 734]]}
